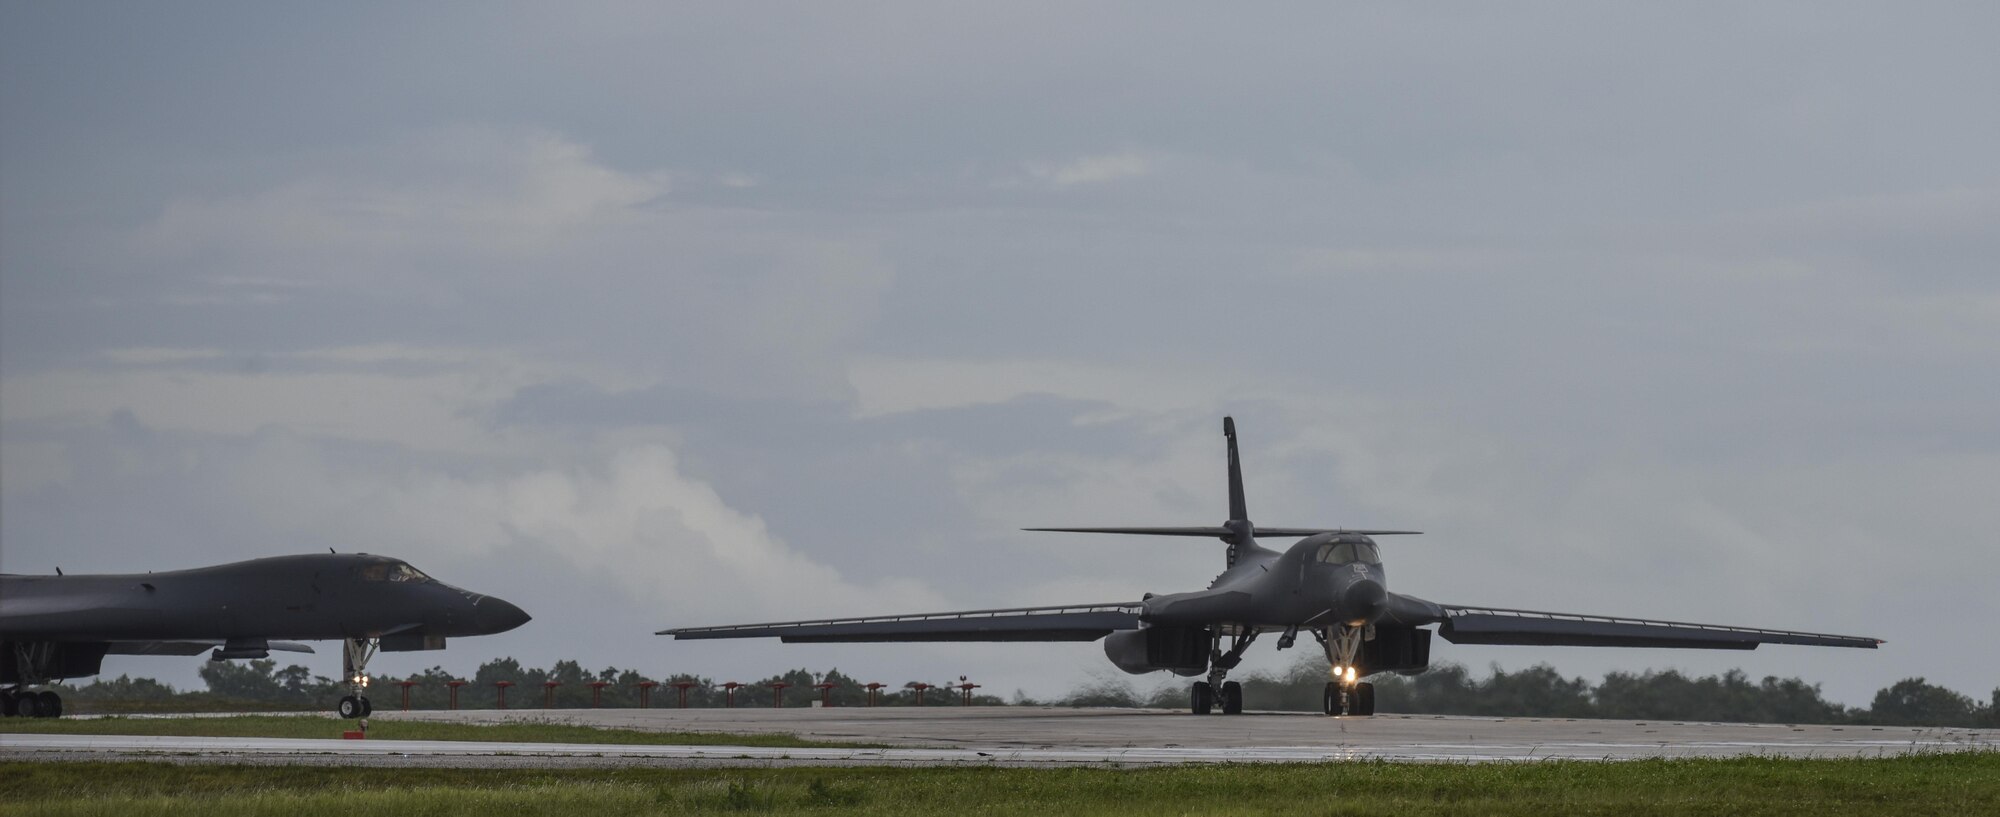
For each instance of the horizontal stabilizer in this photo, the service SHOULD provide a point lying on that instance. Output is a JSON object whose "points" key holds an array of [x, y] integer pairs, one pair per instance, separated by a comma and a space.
{"points": [[1225, 533]]}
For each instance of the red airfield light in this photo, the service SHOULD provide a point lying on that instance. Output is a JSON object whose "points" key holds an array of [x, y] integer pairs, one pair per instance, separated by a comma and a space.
{"points": [[965, 689], [874, 690], [682, 688], [549, 694], [454, 692], [406, 691], [825, 693], [502, 687], [778, 693], [646, 693], [729, 694]]}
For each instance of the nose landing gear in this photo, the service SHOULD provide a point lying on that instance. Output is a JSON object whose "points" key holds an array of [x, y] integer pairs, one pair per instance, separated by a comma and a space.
{"points": [[355, 653], [1345, 694]]}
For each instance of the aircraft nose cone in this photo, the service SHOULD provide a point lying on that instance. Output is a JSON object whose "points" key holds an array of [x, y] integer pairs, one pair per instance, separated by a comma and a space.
{"points": [[1363, 601], [499, 615]]}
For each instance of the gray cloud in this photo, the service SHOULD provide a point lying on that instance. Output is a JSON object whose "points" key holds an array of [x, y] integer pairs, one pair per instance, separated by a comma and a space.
{"points": [[1631, 309]]}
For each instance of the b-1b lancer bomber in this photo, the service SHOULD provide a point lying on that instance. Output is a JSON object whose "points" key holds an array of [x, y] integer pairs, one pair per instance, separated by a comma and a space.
{"points": [[55, 627], [1329, 584]]}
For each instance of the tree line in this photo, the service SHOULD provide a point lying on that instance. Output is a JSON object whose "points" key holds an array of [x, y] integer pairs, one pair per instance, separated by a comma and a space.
{"points": [[1447, 689], [1541, 691]]}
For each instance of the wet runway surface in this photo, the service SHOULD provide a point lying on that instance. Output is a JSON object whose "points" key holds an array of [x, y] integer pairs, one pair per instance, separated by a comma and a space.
{"points": [[1038, 737]]}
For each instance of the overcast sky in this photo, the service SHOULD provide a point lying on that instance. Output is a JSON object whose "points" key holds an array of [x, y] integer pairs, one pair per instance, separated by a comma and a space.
{"points": [[646, 316]]}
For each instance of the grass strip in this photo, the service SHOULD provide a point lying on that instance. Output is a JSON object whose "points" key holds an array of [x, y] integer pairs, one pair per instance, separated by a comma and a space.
{"points": [[318, 726], [1930, 784]]}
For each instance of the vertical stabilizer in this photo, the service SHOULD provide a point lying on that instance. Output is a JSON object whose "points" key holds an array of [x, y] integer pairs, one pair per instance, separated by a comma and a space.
{"points": [[1237, 508]]}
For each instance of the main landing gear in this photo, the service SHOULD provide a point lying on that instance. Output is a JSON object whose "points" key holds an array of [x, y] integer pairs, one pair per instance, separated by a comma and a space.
{"points": [[35, 661], [1206, 695], [1345, 693], [355, 653], [27, 704]]}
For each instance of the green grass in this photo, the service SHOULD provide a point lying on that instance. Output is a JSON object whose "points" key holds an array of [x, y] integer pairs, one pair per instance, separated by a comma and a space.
{"points": [[322, 726], [1937, 784]]}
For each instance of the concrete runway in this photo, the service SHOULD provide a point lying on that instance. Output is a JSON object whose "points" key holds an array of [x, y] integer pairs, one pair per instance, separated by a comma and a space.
{"points": [[1036, 737]]}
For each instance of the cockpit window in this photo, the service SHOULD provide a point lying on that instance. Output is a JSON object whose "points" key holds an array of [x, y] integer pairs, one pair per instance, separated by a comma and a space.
{"points": [[1341, 553], [397, 572], [400, 572]]}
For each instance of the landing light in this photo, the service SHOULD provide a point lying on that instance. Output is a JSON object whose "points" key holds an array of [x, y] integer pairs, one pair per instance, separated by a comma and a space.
{"points": [[1350, 673]]}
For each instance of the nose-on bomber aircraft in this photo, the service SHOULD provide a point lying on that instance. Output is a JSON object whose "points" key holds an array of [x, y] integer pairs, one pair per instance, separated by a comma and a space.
{"points": [[1330, 584], [55, 627]]}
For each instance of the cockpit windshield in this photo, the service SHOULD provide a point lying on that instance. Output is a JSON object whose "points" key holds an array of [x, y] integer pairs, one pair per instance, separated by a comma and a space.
{"points": [[393, 572], [1341, 553]]}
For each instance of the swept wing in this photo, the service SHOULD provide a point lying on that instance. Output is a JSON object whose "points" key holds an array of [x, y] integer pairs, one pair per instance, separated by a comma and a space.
{"points": [[192, 647], [1492, 625], [1076, 622]]}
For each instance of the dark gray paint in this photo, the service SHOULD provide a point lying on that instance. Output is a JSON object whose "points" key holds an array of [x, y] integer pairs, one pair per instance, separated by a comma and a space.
{"points": [[241, 607], [1280, 590]]}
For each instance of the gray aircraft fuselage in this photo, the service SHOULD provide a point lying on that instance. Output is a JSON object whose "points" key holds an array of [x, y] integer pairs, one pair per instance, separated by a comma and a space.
{"points": [[306, 597], [1300, 586]]}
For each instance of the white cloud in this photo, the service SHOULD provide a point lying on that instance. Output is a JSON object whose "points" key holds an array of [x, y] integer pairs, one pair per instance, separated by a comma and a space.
{"points": [[140, 356], [670, 542], [1091, 169], [466, 189], [437, 408]]}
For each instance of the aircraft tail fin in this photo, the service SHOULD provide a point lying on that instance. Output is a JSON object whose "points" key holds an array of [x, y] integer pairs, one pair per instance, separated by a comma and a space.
{"points": [[1238, 509], [1238, 531]]}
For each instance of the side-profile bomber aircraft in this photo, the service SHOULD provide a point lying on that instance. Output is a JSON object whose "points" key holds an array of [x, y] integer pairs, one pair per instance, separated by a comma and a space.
{"points": [[1330, 583], [55, 627]]}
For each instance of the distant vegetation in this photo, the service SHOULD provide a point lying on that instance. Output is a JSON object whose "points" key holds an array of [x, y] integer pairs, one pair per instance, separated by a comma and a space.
{"points": [[1447, 689], [1540, 691]]}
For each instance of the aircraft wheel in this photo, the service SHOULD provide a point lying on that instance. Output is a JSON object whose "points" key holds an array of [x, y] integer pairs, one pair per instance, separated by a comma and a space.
{"points": [[1332, 701], [28, 705], [1202, 698], [49, 704], [1364, 699], [350, 707], [7, 704], [367, 706], [1232, 698]]}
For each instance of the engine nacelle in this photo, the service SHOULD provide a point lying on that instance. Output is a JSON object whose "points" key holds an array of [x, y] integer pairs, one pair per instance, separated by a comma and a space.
{"points": [[1179, 650], [1405, 650]]}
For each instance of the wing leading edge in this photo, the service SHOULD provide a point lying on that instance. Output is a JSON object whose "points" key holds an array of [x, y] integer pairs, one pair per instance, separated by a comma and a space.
{"points": [[1076, 622], [192, 647], [1487, 625]]}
